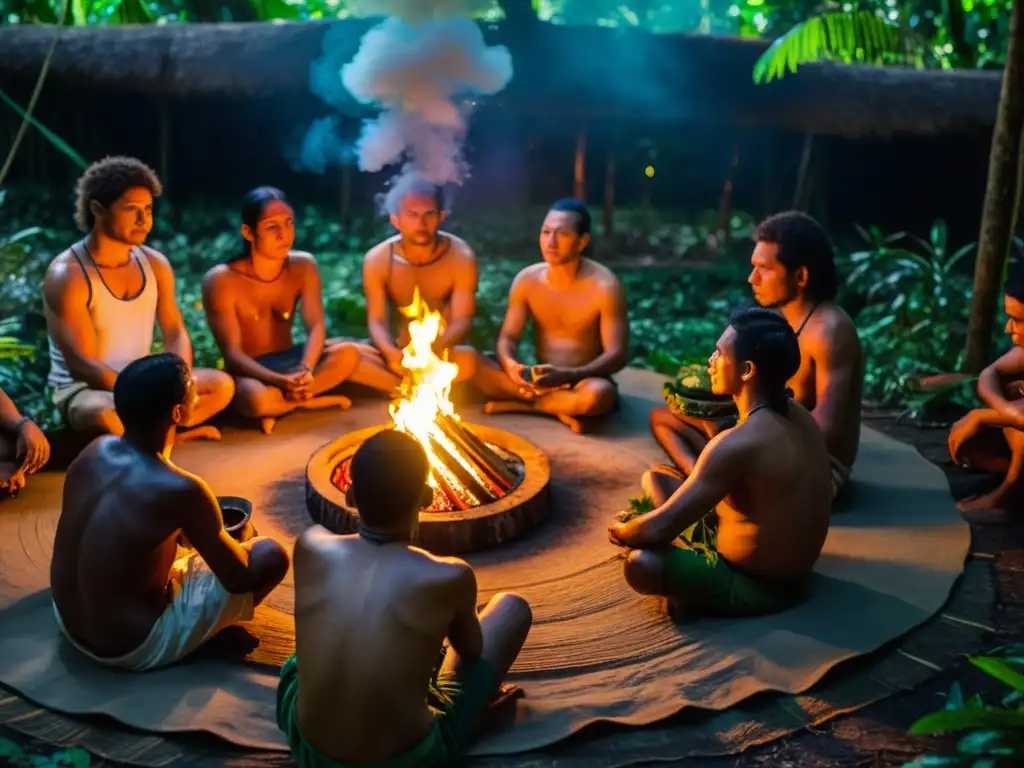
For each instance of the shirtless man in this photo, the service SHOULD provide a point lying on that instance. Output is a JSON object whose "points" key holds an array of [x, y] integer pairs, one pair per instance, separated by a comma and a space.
{"points": [[769, 477], [24, 449], [441, 266], [581, 327], [794, 271], [121, 594], [103, 296], [250, 304], [991, 439], [371, 612]]}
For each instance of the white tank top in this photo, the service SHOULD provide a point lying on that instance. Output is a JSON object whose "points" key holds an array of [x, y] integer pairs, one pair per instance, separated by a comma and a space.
{"points": [[124, 327]]}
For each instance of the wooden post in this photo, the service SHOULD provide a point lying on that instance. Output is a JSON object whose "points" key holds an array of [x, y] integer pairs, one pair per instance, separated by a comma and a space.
{"points": [[1000, 198], [801, 174], [164, 137], [723, 226], [609, 195], [579, 186]]}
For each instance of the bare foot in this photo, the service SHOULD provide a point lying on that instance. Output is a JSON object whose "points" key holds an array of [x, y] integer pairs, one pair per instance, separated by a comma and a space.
{"points": [[574, 424], [267, 424], [205, 432], [993, 508], [325, 401], [506, 692], [507, 406]]}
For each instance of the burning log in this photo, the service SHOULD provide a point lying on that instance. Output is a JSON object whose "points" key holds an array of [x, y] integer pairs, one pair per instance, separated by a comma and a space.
{"points": [[478, 452], [478, 492]]}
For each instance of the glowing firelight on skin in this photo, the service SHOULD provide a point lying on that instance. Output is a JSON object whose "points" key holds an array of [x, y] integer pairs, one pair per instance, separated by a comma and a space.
{"points": [[424, 393]]}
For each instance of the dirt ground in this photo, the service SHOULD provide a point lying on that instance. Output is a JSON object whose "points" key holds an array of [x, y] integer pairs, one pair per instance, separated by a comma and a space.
{"points": [[876, 736]]}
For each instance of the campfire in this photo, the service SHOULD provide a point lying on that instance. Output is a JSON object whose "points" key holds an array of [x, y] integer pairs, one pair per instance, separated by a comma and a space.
{"points": [[465, 471]]}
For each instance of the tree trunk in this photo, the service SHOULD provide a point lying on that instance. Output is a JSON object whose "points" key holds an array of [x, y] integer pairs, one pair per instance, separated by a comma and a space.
{"points": [[609, 196], [579, 185], [1000, 200]]}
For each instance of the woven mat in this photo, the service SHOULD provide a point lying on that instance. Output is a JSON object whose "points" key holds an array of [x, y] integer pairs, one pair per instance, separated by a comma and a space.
{"points": [[597, 652]]}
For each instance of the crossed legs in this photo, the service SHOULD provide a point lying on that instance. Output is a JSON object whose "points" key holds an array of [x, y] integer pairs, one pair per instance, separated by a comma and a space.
{"points": [[999, 451]]}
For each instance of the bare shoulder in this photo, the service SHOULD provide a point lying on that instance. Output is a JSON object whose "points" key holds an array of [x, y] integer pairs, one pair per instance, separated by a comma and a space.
{"points": [[379, 256], [459, 248], [445, 571], [833, 330], [64, 272], [157, 260], [218, 277], [302, 258], [601, 274], [316, 541], [530, 275], [1010, 362]]}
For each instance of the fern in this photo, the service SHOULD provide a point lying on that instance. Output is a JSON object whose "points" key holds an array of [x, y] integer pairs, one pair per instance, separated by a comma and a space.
{"points": [[851, 37]]}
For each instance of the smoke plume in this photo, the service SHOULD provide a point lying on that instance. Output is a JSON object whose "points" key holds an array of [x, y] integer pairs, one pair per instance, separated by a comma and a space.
{"points": [[420, 66]]}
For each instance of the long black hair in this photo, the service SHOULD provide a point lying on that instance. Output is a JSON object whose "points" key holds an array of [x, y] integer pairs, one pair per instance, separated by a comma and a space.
{"points": [[254, 204]]}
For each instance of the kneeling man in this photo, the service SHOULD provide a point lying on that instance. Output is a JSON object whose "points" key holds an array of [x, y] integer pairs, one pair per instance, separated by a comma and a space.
{"points": [[769, 477], [371, 612], [581, 328], [991, 439], [103, 296], [121, 594], [250, 304]]}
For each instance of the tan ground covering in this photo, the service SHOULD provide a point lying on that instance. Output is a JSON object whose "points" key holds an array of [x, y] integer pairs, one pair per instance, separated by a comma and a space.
{"points": [[597, 652]]}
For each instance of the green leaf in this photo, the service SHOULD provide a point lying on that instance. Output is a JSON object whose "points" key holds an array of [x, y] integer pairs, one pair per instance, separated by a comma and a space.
{"points": [[1000, 670], [846, 36], [948, 721], [75, 757], [53, 138], [9, 749], [955, 697], [135, 12]]}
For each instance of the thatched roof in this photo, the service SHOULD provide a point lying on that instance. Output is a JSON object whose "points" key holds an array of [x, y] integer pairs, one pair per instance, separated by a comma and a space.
{"points": [[581, 73]]}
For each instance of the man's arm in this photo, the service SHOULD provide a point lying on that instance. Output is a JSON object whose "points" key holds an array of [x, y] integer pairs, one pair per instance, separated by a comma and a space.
{"points": [[614, 336], [835, 369], [378, 319], [168, 315], [462, 308], [219, 308], [993, 379], [514, 325], [312, 314], [465, 633], [66, 296], [716, 474], [203, 524]]}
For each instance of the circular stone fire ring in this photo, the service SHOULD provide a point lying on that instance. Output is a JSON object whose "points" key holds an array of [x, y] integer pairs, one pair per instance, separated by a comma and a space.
{"points": [[443, 533]]}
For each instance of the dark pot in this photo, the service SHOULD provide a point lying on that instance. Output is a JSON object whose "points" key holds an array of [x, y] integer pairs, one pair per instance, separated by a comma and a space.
{"points": [[237, 514]]}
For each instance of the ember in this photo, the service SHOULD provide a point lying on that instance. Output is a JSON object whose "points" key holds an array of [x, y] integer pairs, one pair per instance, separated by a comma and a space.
{"points": [[465, 472]]}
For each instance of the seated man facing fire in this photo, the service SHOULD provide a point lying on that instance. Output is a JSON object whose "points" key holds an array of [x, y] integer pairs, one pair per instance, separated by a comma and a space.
{"points": [[103, 296], [24, 449], [581, 328], [991, 439], [121, 594], [250, 304], [794, 272], [371, 612], [422, 262], [769, 477]]}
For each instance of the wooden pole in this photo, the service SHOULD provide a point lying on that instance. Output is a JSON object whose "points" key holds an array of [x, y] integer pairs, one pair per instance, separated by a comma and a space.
{"points": [[1000, 199], [579, 187], [609, 195]]}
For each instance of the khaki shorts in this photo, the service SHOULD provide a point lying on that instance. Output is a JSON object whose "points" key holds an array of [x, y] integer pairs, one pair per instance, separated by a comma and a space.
{"points": [[74, 401]]}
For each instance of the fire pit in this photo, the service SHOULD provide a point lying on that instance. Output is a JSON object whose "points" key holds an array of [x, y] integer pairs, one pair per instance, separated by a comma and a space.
{"points": [[489, 485]]}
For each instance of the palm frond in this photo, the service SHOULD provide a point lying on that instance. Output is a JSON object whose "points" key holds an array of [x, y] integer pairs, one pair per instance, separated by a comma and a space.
{"points": [[848, 37]]}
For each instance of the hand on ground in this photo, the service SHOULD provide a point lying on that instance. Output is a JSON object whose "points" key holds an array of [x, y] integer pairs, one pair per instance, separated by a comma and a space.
{"points": [[961, 432], [33, 448], [11, 482]]}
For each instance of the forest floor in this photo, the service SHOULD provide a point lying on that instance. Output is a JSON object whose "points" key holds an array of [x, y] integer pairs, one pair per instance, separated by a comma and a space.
{"points": [[875, 736]]}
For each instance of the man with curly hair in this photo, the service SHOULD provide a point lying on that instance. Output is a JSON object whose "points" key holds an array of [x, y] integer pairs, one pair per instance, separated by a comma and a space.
{"points": [[103, 296]]}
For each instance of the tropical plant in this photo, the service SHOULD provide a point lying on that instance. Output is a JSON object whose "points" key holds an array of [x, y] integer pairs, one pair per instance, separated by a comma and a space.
{"points": [[16, 757], [994, 734], [913, 318]]}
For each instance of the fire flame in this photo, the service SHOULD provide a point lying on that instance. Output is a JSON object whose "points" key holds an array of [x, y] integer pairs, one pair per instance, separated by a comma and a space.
{"points": [[423, 395]]}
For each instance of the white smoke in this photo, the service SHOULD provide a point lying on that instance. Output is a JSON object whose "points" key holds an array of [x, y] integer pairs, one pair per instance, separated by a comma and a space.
{"points": [[418, 66]]}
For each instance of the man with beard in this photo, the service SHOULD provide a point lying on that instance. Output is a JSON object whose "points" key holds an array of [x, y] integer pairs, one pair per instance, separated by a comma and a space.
{"points": [[794, 271], [250, 305], [768, 477], [122, 595], [103, 296], [439, 268], [991, 439], [581, 328]]}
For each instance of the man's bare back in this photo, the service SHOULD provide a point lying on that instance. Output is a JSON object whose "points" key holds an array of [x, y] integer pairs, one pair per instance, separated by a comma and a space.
{"points": [[370, 621], [775, 521], [567, 320], [265, 311], [447, 284], [115, 545], [831, 378]]}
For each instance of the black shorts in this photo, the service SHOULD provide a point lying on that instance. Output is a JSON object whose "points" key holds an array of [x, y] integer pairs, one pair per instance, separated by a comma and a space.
{"points": [[287, 361]]}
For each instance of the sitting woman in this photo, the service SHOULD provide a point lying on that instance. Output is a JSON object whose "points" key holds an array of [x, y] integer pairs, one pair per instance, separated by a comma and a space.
{"points": [[769, 477], [250, 304]]}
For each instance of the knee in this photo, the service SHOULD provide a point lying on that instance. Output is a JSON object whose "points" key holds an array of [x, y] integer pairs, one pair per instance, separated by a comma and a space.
{"points": [[643, 572], [345, 355], [596, 398], [465, 359], [660, 417], [515, 606], [222, 387], [273, 558], [252, 399], [95, 420]]}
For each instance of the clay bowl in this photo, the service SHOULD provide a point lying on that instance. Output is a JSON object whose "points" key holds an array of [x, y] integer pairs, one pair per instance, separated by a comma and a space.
{"points": [[237, 514]]}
